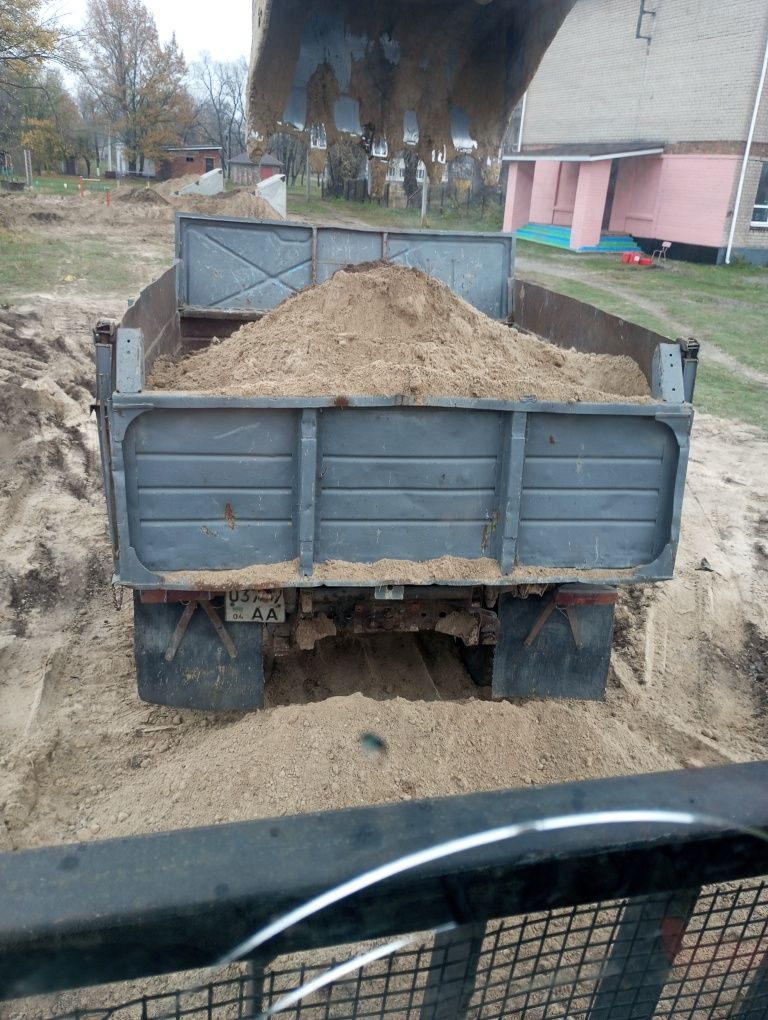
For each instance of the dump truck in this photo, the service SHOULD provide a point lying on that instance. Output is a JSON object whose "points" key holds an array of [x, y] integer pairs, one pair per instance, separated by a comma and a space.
{"points": [[237, 521], [227, 514]]}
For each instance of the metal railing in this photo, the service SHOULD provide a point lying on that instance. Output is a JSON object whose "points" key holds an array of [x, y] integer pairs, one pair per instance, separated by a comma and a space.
{"points": [[654, 907]]}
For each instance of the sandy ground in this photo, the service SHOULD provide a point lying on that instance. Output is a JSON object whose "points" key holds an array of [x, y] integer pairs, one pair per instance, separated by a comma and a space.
{"points": [[82, 758]]}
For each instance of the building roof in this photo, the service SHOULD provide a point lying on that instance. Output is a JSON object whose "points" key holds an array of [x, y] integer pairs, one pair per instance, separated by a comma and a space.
{"points": [[193, 148], [245, 160], [587, 153]]}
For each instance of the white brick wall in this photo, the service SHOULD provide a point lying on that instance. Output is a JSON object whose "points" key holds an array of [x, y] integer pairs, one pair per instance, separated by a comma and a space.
{"points": [[695, 82], [747, 236]]}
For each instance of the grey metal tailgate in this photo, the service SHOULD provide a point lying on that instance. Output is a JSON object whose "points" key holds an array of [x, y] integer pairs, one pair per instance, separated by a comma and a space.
{"points": [[252, 265], [207, 484]]}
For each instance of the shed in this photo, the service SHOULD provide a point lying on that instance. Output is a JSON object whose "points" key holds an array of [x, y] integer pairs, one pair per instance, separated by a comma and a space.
{"points": [[190, 159], [245, 172]]}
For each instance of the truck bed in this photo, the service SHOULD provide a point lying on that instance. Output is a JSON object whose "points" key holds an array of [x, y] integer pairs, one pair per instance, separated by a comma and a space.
{"points": [[218, 493]]}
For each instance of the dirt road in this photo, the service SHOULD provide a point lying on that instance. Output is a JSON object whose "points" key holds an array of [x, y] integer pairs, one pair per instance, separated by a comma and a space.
{"points": [[82, 758]]}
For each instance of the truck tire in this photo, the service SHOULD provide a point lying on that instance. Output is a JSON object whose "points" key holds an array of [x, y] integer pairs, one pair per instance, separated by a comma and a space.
{"points": [[478, 661]]}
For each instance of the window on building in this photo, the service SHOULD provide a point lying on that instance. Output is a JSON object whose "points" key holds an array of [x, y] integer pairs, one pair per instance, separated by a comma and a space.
{"points": [[208, 164], [760, 212], [190, 159], [317, 137]]}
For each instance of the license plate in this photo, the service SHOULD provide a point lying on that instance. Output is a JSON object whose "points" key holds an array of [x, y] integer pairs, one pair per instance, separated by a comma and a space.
{"points": [[255, 607]]}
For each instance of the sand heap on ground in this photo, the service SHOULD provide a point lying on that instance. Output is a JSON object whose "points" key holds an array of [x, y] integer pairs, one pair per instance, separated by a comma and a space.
{"points": [[386, 329], [140, 196], [167, 189], [239, 202]]}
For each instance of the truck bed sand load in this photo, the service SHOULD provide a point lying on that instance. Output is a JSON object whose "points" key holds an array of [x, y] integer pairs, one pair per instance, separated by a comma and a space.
{"points": [[375, 453], [385, 329]]}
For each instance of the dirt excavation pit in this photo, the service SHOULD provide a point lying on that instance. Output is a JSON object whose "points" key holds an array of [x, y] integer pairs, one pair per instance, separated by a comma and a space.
{"points": [[387, 329]]}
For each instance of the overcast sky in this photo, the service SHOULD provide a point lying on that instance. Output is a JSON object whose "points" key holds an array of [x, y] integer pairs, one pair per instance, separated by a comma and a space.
{"points": [[222, 27]]}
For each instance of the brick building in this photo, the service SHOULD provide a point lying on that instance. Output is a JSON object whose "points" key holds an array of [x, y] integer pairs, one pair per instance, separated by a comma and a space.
{"points": [[637, 123], [190, 159]]}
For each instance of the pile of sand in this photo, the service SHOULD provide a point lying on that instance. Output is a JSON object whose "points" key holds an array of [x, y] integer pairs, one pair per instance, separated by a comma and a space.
{"points": [[141, 196], [386, 329], [239, 202], [169, 188]]}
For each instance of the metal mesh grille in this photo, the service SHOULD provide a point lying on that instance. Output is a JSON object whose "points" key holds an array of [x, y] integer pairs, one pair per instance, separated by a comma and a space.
{"points": [[692, 954]]}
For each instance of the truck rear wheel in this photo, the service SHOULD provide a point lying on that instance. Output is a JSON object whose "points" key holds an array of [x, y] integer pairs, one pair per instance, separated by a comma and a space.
{"points": [[478, 660]]}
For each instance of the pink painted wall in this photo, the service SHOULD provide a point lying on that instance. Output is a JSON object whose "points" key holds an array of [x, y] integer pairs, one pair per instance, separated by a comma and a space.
{"points": [[546, 178], [565, 197], [683, 198], [589, 207], [517, 208], [636, 197]]}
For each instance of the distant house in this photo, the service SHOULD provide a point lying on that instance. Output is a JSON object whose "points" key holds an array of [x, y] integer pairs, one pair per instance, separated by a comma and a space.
{"points": [[244, 171], [190, 159], [396, 171], [122, 165], [640, 126]]}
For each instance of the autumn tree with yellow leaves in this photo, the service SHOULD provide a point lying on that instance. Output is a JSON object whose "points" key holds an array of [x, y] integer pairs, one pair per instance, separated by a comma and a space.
{"points": [[28, 39], [137, 81]]}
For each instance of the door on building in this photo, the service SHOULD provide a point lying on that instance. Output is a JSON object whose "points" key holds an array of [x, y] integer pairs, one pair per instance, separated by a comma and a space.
{"points": [[208, 164], [610, 196]]}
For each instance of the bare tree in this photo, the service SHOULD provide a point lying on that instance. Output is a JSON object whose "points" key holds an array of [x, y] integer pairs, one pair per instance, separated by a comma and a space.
{"points": [[346, 161], [94, 126], [219, 91], [411, 176], [292, 153]]}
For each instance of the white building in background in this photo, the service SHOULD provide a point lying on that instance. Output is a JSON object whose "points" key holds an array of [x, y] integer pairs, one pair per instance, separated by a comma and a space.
{"points": [[396, 171], [121, 163]]}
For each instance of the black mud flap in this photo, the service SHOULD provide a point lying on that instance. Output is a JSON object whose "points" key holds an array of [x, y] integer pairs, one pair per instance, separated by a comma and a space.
{"points": [[567, 654], [201, 672]]}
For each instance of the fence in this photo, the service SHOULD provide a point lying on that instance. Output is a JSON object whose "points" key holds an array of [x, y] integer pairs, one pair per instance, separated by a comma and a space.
{"points": [[441, 199], [56, 185], [627, 899], [70, 186]]}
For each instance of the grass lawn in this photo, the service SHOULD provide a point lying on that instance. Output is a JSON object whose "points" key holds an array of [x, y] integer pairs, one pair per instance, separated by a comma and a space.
{"points": [[374, 215], [722, 305], [728, 395], [34, 262]]}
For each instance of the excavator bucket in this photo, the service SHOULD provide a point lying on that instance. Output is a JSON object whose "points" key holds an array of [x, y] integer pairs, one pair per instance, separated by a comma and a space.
{"points": [[440, 76]]}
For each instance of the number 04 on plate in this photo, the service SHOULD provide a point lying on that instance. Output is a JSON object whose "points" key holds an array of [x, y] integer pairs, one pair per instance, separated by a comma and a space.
{"points": [[255, 607]]}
